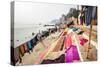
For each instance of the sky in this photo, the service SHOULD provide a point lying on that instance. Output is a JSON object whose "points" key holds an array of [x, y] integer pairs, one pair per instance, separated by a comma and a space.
{"points": [[27, 13]]}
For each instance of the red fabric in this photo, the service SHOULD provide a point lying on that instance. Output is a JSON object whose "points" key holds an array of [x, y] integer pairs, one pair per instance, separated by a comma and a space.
{"points": [[82, 40], [25, 46], [64, 33], [68, 41]]}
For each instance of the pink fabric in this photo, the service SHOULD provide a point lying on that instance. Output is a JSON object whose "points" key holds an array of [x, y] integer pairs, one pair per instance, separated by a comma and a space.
{"points": [[68, 41], [71, 54]]}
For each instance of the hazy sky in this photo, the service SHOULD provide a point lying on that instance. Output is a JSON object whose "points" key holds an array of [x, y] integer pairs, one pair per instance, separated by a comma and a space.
{"points": [[27, 14], [34, 13]]}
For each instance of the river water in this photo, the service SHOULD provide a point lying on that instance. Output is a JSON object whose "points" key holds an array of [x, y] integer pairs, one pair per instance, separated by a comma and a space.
{"points": [[24, 34]]}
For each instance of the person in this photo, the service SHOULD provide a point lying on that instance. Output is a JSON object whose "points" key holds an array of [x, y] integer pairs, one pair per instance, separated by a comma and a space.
{"points": [[39, 37], [33, 34]]}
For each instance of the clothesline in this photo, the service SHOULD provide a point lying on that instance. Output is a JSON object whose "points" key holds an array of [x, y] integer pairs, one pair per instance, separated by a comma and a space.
{"points": [[47, 51], [75, 37], [43, 55]]}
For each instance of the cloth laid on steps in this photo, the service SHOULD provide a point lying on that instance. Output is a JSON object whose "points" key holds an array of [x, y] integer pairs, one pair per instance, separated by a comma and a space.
{"points": [[68, 40], [55, 55], [59, 45], [58, 60], [71, 54]]}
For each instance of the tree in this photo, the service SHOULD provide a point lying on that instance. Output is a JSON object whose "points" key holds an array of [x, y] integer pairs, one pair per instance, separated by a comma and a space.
{"points": [[73, 12]]}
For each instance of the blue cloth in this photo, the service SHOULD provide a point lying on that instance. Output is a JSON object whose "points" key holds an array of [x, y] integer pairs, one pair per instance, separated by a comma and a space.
{"points": [[88, 14], [29, 45], [75, 29], [94, 12]]}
